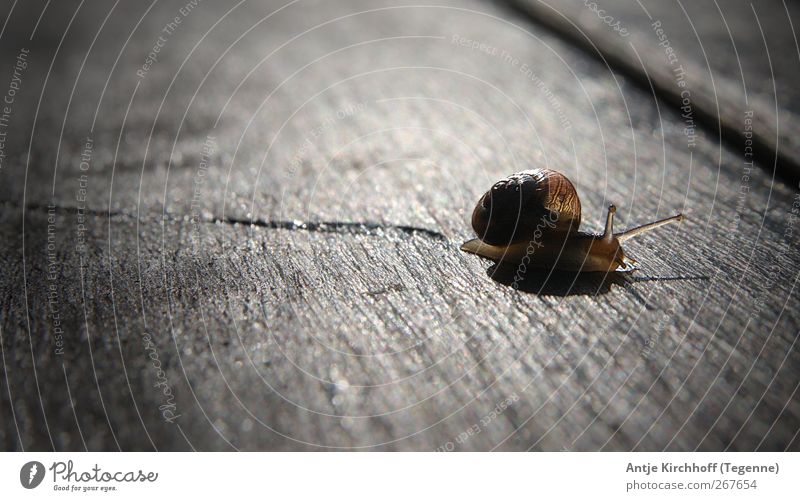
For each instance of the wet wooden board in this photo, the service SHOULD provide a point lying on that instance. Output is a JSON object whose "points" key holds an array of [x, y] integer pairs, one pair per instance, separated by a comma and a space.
{"points": [[357, 138]]}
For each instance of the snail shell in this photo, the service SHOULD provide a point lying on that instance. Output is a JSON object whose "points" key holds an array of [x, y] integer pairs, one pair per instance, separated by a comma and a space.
{"points": [[510, 211]]}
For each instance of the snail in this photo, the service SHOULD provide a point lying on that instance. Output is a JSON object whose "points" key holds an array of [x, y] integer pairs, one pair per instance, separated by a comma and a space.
{"points": [[532, 218]]}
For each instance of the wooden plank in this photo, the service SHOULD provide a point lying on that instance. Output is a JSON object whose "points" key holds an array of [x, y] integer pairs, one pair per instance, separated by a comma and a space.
{"points": [[284, 336], [713, 63]]}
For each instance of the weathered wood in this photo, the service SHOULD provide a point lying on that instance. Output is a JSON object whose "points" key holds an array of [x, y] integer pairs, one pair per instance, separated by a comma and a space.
{"points": [[290, 336], [716, 63]]}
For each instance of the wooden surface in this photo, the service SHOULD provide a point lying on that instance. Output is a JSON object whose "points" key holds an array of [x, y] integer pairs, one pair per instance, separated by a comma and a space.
{"points": [[727, 59], [358, 136]]}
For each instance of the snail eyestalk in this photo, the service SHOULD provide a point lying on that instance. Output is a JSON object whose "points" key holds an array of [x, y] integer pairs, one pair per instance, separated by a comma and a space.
{"points": [[627, 235], [609, 233]]}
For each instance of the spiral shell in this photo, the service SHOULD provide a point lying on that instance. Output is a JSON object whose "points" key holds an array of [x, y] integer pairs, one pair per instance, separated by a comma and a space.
{"points": [[511, 210]]}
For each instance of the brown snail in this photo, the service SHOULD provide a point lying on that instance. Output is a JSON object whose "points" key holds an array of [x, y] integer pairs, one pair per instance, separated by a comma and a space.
{"points": [[533, 217]]}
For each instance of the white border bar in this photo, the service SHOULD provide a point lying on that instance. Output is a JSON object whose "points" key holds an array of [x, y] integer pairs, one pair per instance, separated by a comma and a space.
{"points": [[407, 476]]}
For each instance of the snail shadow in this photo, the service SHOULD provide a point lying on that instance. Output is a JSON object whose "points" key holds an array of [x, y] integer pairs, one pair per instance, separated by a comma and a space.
{"points": [[568, 283]]}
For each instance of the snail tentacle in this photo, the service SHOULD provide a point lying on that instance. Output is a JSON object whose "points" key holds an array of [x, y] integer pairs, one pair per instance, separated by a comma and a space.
{"points": [[609, 233], [628, 234]]}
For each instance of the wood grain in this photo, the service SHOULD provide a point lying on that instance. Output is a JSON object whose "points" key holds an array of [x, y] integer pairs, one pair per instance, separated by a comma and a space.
{"points": [[349, 329]]}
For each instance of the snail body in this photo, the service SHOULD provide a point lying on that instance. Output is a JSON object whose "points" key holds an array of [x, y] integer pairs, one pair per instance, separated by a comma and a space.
{"points": [[533, 217]]}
